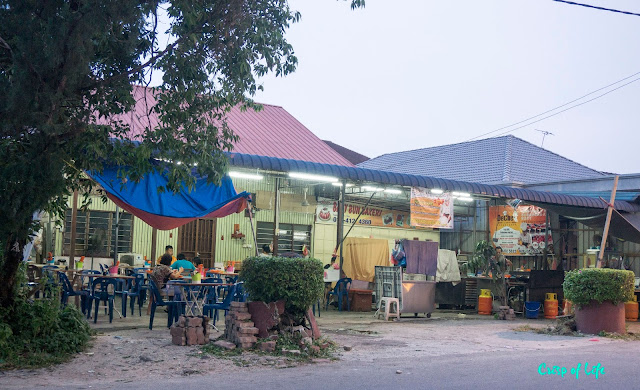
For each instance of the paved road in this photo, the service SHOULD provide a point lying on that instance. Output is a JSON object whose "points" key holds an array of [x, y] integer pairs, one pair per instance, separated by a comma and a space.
{"points": [[497, 370]]}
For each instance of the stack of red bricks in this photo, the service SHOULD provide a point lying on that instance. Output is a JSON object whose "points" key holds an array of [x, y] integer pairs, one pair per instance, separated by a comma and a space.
{"points": [[190, 331], [506, 313], [239, 329]]}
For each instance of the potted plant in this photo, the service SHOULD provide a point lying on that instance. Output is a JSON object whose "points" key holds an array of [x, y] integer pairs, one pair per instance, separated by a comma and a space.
{"points": [[483, 252], [598, 295], [484, 259]]}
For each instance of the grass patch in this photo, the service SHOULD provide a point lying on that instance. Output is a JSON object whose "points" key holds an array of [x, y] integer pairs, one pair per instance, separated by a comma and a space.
{"points": [[288, 352], [219, 352], [626, 337], [562, 327]]}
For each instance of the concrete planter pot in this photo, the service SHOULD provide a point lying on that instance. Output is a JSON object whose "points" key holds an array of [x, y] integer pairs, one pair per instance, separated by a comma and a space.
{"points": [[596, 317]]}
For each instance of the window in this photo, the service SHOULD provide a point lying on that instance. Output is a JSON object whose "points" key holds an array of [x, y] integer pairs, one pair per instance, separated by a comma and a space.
{"points": [[292, 237], [96, 233]]}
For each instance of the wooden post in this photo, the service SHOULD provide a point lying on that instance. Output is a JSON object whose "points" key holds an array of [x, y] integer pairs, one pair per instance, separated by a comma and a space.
{"points": [[117, 233], [546, 240], [74, 220], [607, 222], [154, 241], [276, 217]]}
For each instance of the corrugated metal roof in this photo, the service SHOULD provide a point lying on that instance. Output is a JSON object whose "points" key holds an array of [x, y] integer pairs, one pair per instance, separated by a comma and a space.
{"points": [[270, 132], [499, 160], [403, 179], [351, 155]]}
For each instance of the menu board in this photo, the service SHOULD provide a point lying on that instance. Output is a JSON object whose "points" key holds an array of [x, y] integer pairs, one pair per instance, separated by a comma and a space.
{"points": [[520, 230], [327, 212], [430, 210]]}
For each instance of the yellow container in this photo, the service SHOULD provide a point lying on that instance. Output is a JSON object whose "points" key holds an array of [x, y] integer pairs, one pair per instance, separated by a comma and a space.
{"points": [[551, 305], [484, 292]]}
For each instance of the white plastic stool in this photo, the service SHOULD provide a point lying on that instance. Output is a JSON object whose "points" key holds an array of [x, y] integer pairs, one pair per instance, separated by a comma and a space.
{"points": [[388, 302]]}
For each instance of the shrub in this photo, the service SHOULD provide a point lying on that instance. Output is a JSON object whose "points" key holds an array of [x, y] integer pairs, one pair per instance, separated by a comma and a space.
{"points": [[299, 282], [598, 284], [39, 332]]}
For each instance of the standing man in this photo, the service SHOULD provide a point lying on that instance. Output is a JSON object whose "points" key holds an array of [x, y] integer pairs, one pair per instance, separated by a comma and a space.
{"points": [[503, 262], [168, 250]]}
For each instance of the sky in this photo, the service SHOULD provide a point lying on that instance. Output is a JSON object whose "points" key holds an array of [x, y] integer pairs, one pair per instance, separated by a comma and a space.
{"points": [[402, 75]]}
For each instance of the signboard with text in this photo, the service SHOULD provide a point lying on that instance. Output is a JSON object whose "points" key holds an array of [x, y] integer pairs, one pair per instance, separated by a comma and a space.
{"points": [[431, 210], [327, 212], [520, 230]]}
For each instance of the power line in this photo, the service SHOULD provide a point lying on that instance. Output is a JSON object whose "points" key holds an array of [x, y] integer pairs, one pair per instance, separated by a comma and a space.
{"points": [[554, 109], [600, 8], [572, 107], [458, 145]]}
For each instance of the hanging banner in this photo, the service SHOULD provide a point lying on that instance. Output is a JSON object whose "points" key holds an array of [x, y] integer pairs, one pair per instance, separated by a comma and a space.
{"points": [[520, 230], [327, 212], [431, 211]]}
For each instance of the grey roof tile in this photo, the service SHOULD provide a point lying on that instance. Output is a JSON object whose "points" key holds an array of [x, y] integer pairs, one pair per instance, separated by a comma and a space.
{"points": [[499, 160]]}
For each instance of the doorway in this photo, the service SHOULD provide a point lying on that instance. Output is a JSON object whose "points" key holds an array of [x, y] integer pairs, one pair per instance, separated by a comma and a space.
{"points": [[197, 238]]}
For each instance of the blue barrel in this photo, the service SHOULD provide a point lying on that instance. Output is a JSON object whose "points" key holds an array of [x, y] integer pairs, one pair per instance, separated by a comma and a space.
{"points": [[532, 309]]}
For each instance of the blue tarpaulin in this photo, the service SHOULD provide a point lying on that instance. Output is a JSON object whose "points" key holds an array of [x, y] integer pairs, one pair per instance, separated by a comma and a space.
{"points": [[167, 210]]}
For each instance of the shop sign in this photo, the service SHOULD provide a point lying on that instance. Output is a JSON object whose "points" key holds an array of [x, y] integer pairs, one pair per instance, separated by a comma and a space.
{"points": [[327, 212], [520, 230], [430, 210]]}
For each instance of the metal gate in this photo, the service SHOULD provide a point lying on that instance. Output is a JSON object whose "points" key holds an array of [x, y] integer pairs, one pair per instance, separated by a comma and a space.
{"points": [[197, 238]]}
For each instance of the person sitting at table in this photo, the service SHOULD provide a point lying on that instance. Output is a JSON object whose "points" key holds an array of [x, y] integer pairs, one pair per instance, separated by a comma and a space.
{"points": [[162, 273], [168, 250], [266, 251], [183, 263]]}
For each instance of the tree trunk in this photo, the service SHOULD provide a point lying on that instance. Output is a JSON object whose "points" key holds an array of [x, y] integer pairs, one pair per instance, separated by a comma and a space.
{"points": [[8, 274]]}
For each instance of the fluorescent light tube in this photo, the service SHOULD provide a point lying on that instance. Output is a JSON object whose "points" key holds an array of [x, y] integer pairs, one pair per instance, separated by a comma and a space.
{"points": [[245, 175], [308, 176]]}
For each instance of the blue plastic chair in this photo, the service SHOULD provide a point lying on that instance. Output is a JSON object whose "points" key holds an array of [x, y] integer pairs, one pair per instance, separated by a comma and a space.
{"points": [[84, 275], [68, 291], [211, 309], [50, 281], [339, 291], [133, 291], [100, 292], [240, 295], [313, 308], [175, 307]]}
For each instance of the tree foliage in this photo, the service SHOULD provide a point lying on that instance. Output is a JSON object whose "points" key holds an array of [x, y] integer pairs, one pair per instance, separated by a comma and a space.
{"points": [[67, 70]]}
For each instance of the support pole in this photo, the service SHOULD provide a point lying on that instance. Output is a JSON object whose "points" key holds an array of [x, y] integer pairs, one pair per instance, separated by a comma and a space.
{"points": [[74, 222], [253, 231], [341, 220], [607, 222], [276, 218], [154, 243], [546, 239], [115, 246]]}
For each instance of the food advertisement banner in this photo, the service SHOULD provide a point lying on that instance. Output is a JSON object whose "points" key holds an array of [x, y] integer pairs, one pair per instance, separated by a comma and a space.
{"points": [[520, 230], [431, 211], [327, 212]]}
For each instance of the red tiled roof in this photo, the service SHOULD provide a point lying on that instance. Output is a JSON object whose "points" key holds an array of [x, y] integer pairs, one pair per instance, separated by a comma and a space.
{"points": [[271, 132]]}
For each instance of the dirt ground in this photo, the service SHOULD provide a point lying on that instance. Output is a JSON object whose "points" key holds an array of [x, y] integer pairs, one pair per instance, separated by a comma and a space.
{"points": [[127, 351]]}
